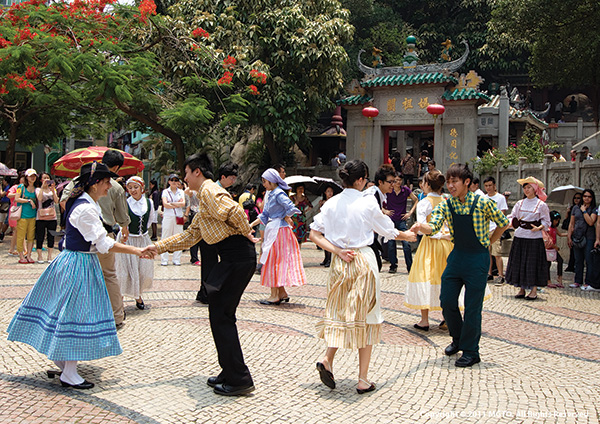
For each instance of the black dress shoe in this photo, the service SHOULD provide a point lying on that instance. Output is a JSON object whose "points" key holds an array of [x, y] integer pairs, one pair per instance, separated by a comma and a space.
{"points": [[422, 327], [326, 376], [466, 361], [227, 390], [520, 296], [268, 302], [83, 386], [213, 381], [140, 305], [451, 349], [53, 373]]}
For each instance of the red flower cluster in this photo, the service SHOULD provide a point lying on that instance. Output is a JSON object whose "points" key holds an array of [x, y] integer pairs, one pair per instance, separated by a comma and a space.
{"points": [[3, 90], [199, 32], [4, 43], [32, 73], [253, 90], [226, 78], [19, 81], [24, 34], [260, 77], [229, 62], [147, 7]]}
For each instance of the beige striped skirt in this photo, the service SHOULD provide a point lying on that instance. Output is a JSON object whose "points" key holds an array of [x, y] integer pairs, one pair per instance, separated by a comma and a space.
{"points": [[352, 312]]}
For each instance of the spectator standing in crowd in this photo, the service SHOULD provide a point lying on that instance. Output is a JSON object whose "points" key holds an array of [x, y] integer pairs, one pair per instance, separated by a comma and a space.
{"points": [[384, 180], [496, 248], [565, 226], [300, 200], [527, 263], [474, 187], [136, 275], [342, 157], [46, 219], [585, 154], [248, 194], [26, 226], [67, 314], [409, 166], [154, 195], [335, 160], [557, 157], [220, 222], [396, 202], [573, 155], [558, 110], [228, 173], [552, 250], [12, 220], [113, 209], [4, 207], [194, 203], [327, 194], [397, 161], [431, 166], [173, 201], [573, 105], [353, 310], [423, 163], [282, 263], [581, 237], [467, 216]]}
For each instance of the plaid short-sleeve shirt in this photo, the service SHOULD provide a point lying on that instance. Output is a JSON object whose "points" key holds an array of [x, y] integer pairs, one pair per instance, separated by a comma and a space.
{"points": [[484, 212]]}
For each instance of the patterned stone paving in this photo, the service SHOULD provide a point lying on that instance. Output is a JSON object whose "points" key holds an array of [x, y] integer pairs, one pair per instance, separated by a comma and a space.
{"points": [[540, 360]]}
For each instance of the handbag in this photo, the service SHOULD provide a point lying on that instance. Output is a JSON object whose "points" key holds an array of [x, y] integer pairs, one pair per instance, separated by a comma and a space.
{"points": [[579, 242], [551, 255], [15, 212], [179, 220]]}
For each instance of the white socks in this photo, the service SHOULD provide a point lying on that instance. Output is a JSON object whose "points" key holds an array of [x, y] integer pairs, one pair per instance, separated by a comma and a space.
{"points": [[69, 374], [60, 364]]}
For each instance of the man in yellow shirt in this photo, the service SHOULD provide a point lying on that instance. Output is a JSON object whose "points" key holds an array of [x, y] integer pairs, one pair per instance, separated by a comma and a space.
{"points": [[221, 223]]}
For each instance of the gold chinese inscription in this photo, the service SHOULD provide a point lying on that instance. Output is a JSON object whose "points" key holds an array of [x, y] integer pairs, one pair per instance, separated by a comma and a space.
{"points": [[391, 105], [424, 102], [453, 154], [453, 132], [453, 143], [407, 103]]}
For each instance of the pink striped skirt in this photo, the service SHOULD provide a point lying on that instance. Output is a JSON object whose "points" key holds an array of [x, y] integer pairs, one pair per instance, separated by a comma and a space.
{"points": [[284, 266]]}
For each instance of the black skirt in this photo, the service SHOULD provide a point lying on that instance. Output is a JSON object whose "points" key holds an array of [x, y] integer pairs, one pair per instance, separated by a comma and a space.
{"points": [[527, 263]]}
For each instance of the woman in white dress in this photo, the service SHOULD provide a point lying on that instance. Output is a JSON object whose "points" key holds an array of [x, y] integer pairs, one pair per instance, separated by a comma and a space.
{"points": [[136, 275], [353, 316]]}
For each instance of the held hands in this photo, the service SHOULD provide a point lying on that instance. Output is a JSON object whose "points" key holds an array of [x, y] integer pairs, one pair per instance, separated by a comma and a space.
{"points": [[416, 227], [347, 255], [407, 235], [149, 252]]}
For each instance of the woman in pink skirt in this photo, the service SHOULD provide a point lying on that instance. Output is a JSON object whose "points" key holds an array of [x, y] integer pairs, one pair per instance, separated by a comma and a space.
{"points": [[282, 264]]}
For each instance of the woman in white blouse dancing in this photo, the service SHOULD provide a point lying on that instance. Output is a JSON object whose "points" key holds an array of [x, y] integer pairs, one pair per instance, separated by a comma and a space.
{"points": [[345, 228]]}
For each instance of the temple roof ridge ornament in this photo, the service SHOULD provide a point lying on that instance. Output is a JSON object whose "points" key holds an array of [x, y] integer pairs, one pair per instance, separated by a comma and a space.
{"points": [[447, 67]]}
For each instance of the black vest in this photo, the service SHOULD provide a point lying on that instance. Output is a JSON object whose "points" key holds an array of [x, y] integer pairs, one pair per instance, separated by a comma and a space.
{"points": [[73, 239], [139, 224]]}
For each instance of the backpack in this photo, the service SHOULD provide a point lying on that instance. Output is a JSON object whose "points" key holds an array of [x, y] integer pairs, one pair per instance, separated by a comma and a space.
{"points": [[251, 209]]}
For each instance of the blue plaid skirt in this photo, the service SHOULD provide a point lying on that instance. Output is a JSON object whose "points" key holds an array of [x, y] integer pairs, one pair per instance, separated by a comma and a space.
{"points": [[67, 315]]}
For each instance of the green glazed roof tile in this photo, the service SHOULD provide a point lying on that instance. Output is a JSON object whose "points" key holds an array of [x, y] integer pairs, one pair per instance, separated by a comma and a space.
{"points": [[357, 99], [465, 94], [412, 79]]}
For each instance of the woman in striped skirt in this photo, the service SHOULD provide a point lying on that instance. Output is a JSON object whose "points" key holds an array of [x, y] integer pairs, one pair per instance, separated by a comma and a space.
{"points": [[282, 263], [67, 315], [345, 228]]}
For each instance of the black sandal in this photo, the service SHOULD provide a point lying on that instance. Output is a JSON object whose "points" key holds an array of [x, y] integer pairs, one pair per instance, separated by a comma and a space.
{"points": [[326, 376]]}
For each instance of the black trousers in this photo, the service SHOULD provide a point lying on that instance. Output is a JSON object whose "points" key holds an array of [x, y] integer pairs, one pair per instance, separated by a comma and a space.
{"points": [[209, 257], [42, 229], [225, 286]]}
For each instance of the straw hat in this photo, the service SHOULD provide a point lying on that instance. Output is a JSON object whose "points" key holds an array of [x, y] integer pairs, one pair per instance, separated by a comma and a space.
{"points": [[531, 180]]}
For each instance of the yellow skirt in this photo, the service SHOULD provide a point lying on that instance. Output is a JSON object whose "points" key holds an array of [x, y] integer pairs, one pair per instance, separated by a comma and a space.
{"points": [[425, 278], [352, 312]]}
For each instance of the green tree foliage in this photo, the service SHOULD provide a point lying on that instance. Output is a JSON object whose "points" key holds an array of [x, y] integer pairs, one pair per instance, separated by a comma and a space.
{"points": [[297, 44], [563, 37]]}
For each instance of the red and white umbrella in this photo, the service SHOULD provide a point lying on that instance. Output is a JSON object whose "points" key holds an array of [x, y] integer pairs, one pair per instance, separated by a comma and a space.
{"points": [[70, 164], [5, 171]]}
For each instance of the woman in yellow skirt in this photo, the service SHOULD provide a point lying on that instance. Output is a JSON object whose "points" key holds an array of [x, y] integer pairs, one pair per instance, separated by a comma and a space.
{"points": [[353, 316], [425, 277]]}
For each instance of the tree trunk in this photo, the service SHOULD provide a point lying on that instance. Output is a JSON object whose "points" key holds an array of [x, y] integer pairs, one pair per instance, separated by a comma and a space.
{"points": [[11, 145], [271, 147], [152, 122]]}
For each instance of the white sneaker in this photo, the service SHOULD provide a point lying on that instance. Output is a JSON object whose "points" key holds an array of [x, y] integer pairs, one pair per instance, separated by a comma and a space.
{"points": [[164, 263], [176, 263], [587, 287], [574, 285]]}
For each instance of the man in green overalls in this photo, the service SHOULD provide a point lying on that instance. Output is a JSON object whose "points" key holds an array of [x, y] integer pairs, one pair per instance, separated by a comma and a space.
{"points": [[468, 217]]}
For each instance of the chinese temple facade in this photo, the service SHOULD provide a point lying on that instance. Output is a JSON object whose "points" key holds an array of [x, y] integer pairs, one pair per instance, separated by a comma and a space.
{"points": [[402, 94]]}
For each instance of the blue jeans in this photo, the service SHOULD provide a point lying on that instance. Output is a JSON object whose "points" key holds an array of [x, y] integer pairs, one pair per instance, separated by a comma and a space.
{"points": [[400, 225], [583, 255]]}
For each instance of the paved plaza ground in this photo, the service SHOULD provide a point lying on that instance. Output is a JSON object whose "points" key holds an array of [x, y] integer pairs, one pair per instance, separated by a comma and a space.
{"points": [[540, 360]]}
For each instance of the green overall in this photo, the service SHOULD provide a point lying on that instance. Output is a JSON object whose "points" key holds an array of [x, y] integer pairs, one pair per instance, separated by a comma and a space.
{"points": [[467, 266]]}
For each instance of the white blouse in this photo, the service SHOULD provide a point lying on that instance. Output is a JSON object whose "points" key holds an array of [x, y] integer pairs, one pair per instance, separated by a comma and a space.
{"points": [[86, 218], [530, 210], [349, 219], [171, 197], [424, 208]]}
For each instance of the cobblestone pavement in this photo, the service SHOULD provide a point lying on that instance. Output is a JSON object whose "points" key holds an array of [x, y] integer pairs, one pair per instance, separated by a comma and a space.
{"points": [[540, 360]]}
